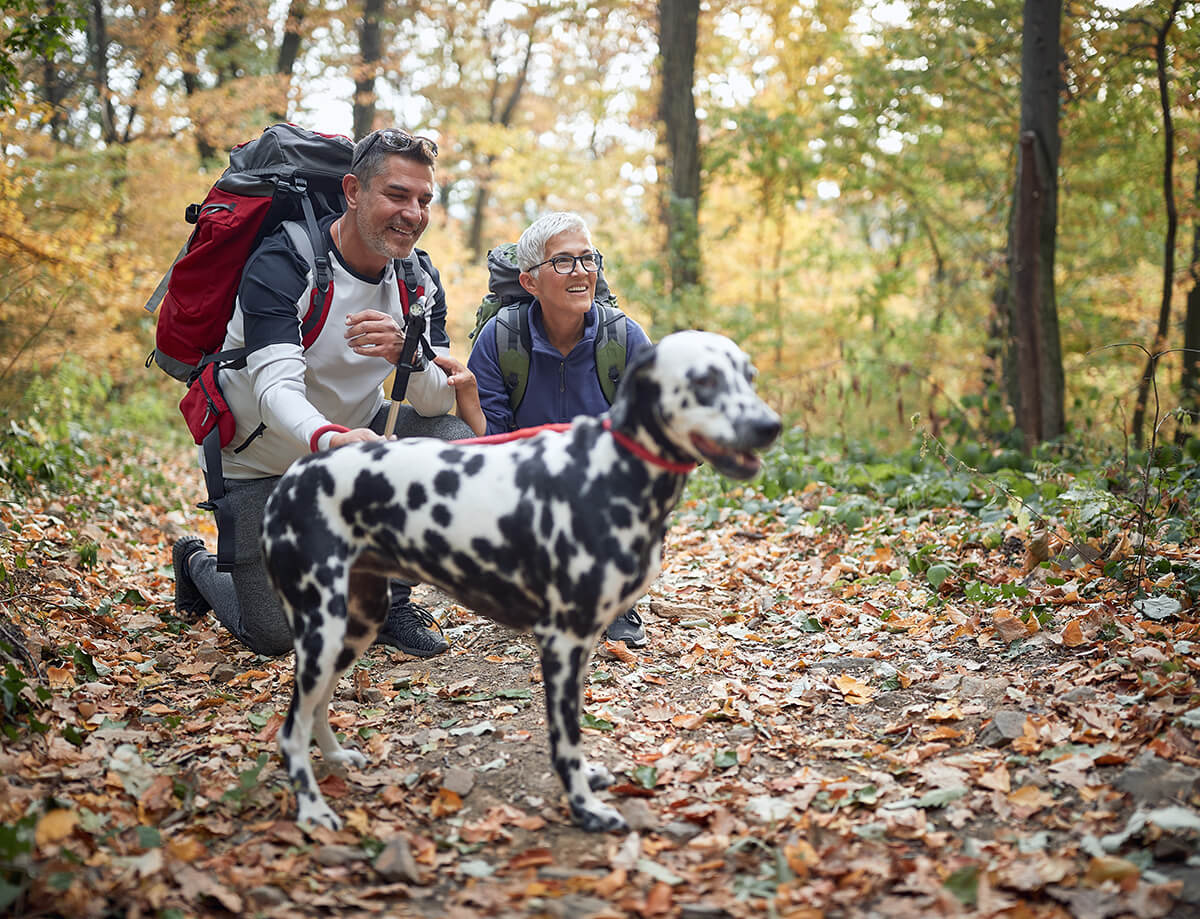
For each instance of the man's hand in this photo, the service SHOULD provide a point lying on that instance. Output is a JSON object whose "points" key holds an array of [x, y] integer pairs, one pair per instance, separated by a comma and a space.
{"points": [[375, 334], [358, 435]]}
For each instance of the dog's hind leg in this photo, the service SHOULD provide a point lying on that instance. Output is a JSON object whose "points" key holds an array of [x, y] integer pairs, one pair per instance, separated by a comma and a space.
{"points": [[564, 662]]}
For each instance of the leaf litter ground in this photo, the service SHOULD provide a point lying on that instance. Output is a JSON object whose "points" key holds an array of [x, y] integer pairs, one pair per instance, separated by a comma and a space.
{"points": [[812, 731]]}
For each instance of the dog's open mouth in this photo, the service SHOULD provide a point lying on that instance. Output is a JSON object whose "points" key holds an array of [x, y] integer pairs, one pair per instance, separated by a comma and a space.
{"points": [[737, 464]]}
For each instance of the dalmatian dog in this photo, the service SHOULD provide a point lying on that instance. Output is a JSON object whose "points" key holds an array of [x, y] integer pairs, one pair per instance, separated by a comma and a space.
{"points": [[554, 534]]}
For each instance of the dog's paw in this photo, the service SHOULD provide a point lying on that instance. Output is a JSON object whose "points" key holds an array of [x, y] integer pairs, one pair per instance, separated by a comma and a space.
{"points": [[317, 813], [597, 776], [598, 818], [344, 757]]}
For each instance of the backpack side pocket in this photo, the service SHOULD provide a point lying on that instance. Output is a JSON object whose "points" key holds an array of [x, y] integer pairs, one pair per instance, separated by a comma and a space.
{"points": [[204, 407]]}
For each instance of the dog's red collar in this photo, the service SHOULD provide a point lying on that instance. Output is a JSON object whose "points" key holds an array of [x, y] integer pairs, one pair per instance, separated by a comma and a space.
{"points": [[623, 439], [642, 453]]}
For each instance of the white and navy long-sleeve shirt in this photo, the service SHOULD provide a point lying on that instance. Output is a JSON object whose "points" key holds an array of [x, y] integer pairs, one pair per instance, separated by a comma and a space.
{"points": [[287, 393]]}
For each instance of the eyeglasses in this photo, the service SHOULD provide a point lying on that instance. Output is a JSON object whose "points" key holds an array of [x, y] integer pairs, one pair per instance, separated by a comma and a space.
{"points": [[565, 264], [396, 140]]}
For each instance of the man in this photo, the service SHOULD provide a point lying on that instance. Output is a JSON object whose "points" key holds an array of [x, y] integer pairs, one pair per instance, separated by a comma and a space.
{"points": [[289, 401], [559, 267]]}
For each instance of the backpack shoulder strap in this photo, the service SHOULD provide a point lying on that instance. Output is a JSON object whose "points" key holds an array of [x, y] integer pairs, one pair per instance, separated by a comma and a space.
{"points": [[513, 345], [319, 298], [611, 347]]}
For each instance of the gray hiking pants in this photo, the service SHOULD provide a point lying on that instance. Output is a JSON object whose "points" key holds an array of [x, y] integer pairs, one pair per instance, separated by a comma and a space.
{"points": [[243, 600]]}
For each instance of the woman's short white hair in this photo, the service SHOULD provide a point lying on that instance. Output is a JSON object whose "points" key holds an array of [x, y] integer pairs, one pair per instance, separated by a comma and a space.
{"points": [[531, 247]]}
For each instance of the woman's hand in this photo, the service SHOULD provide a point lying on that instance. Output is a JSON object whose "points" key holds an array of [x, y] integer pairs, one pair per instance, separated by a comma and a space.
{"points": [[466, 393]]}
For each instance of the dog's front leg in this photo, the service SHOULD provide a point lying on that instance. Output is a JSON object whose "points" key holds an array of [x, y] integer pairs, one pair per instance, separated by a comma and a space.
{"points": [[564, 661]]}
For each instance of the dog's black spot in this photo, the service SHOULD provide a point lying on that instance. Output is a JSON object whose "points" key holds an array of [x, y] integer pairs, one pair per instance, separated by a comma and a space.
{"points": [[564, 550], [376, 451], [445, 483], [436, 544], [472, 466], [345, 658], [369, 500], [306, 678], [441, 515], [417, 496], [483, 549], [468, 565]]}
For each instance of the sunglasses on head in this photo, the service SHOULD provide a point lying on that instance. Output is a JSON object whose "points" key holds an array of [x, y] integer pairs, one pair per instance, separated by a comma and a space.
{"points": [[397, 141]]}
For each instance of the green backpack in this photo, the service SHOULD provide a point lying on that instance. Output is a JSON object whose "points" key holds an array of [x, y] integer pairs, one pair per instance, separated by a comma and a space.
{"points": [[508, 300]]}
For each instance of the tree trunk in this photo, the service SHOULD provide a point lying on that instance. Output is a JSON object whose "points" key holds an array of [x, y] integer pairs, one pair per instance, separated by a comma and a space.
{"points": [[1189, 425], [56, 94], [1168, 182], [1034, 354], [98, 51], [503, 116], [678, 24], [475, 234], [371, 47], [289, 50]]}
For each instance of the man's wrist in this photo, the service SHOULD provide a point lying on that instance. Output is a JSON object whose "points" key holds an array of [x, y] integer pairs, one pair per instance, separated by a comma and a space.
{"points": [[314, 442]]}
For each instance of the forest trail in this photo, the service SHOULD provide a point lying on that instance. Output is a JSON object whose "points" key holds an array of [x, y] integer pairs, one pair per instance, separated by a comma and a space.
{"points": [[810, 732]]}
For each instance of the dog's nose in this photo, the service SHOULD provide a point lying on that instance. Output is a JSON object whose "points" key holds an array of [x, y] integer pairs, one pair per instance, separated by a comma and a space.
{"points": [[762, 431], [770, 429]]}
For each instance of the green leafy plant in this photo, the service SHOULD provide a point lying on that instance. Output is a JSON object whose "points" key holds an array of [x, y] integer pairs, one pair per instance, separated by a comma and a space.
{"points": [[21, 702], [16, 847], [248, 782]]}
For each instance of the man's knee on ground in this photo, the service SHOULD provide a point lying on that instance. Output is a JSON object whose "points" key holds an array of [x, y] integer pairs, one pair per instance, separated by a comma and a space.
{"points": [[267, 643]]}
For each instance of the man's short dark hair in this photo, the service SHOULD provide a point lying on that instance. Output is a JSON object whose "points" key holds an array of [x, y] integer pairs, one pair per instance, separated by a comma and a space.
{"points": [[372, 151]]}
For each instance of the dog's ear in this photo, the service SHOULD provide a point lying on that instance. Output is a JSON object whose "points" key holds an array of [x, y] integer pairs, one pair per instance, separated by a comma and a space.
{"points": [[628, 396], [644, 358]]}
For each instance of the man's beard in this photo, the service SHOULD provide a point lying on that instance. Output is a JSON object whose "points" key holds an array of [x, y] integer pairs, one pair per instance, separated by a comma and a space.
{"points": [[381, 242]]}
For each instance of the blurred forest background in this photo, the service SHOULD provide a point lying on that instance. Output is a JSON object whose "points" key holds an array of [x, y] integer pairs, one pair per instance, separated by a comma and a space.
{"points": [[833, 183]]}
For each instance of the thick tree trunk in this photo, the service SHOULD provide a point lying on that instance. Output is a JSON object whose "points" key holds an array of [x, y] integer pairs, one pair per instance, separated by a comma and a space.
{"points": [[1189, 425], [678, 24], [1034, 355], [1168, 181], [370, 39]]}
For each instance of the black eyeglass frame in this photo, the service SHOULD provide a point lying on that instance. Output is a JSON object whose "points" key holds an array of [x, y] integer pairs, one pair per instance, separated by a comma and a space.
{"points": [[397, 141], [575, 259]]}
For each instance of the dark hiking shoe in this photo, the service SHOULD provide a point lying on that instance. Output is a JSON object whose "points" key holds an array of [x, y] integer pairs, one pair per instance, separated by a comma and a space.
{"points": [[408, 628], [189, 602], [629, 629]]}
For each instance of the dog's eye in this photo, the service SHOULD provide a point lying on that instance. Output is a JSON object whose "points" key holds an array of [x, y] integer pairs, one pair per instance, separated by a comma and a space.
{"points": [[706, 382]]}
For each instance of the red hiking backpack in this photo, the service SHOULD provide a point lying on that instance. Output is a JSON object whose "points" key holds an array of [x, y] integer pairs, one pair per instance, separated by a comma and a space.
{"points": [[287, 176]]}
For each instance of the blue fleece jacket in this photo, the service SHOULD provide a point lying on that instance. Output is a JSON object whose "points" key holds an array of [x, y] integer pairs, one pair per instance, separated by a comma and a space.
{"points": [[560, 388]]}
